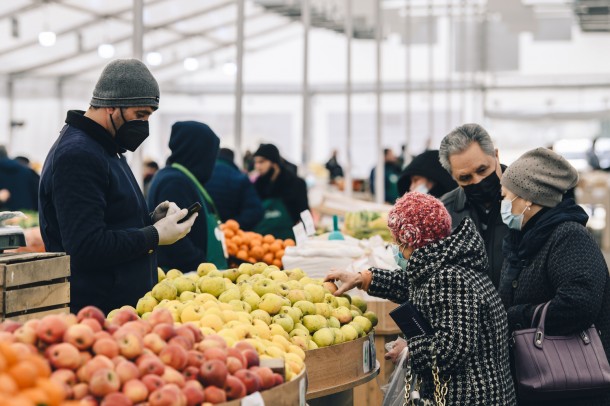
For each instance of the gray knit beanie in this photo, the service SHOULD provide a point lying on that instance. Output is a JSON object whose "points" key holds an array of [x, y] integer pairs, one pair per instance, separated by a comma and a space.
{"points": [[540, 176], [126, 83]]}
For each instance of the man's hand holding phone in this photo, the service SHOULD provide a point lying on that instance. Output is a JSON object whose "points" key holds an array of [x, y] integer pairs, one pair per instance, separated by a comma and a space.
{"points": [[177, 225]]}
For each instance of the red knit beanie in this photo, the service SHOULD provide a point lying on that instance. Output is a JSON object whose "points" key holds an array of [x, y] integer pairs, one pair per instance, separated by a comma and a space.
{"points": [[418, 219]]}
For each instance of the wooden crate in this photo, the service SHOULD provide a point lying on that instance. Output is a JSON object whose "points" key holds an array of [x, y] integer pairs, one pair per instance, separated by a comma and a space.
{"points": [[288, 394], [33, 285]]}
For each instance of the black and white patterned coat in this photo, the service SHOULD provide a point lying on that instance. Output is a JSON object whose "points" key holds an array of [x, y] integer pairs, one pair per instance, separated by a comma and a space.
{"points": [[447, 282]]}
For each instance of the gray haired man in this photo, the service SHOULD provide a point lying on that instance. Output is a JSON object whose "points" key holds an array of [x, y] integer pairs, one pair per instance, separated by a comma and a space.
{"points": [[469, 155]]}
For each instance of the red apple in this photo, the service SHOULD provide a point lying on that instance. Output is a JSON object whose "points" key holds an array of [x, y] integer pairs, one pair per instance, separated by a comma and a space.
{"points": [[80, 390], [213, 372], [170, 375], [88, 400], [26, 335], [195, 358], [123, 316], [182, 341], [235, 353], [151, 365], [152, 382], [175, 356], [7, 337], [111, 327], [251, 358], [194, 393], [106, 346], [127, 371], [91, 312], [92, 323], [187, 333], [234, 365], [66, 376], [212, 340], [103, 382], [130, 345], [135, 390], [191, 373], [167, 396], [85, 356], [118, 359], [279, 379], [98, 362], [9, 326], [102, 334], [153, 342], [214, 395], [243, 346], [138, 325], [266, 376], [23, 349], [197, 334], [116, 399], [64, 355], [80, 335], [160, 316], [216, 353], [51, 329], [32, 323], [250, 380], [165, 331], [235, 388]]}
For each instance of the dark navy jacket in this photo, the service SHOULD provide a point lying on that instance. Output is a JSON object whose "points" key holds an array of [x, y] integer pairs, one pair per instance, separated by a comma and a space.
{"points": [[194, 146], [22, 183], [234, 195], [91, 207]]}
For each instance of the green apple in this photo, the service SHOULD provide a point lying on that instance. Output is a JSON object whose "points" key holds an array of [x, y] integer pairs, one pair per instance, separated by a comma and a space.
{"points": [[349, 332], [306, 280], [354, 313], [258, 268], [343, 301], [323, 309], [213, 286], [164, 290], [271, 303], [359, 303], [215, 274], [300, 326], [295, 295], [333, 322], [324, 337], [204, 269], [306, 307], [311, 345], [252, 298], [372, 317], [193, 312], [331, 300], [146, 316], [296, 274], [146, 304], [316, 291], [339, 338], [299, 332], [184, 284], [160, 275], [260, 314], [276, 329], [285, 321], [294, 312], [278, 276], [314, 322], [231, 274], [192, 276], [111, 314], [230, 294], [240, 306], [294, 285], [205, 297], [358, 328], [356, 309], [364, 323], [300, 341], [187, 296], [242, 278], [343, 314], [283, 289], [173, 274], [264, 286]]}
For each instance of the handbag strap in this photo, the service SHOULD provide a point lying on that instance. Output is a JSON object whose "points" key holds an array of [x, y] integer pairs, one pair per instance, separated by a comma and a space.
{"points": [[539, 336], [536, 314]]}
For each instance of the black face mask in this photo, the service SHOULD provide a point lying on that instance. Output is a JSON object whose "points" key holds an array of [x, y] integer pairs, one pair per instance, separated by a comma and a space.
{"points": [[131, 134], [484, 192]]}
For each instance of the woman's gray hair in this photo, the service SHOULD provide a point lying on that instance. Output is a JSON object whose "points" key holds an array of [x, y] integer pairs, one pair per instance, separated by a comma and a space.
{"points": [[458, 140]]}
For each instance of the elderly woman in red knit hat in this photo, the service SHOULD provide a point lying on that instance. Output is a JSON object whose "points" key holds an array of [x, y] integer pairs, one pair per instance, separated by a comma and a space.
{"points": [[443, 275]]}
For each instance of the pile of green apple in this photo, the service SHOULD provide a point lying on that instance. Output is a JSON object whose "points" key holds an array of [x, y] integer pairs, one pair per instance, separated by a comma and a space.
{"points": [[260, 303]]}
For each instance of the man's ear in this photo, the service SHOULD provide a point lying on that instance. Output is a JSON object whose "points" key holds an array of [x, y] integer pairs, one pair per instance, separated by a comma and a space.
{"points": [[110, 110], [497, 154]]}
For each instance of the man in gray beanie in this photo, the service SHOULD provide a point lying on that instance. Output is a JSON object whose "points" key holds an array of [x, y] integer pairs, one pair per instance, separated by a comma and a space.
{"points": [[91, 206]]}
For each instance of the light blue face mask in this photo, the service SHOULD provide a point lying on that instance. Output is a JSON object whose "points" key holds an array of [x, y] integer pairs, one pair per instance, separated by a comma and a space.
{"points": [[513, 221], [421, 188], [398, 257]]}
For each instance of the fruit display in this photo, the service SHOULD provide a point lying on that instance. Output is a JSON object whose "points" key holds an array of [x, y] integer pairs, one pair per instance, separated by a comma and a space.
{"points": [[269, 308], [366, 224], [124, 360], [251, 247]]}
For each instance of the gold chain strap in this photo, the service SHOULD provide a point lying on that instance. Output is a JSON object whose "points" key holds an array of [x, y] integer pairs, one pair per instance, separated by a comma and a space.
{"points": [[440, 391], [408, 379]]}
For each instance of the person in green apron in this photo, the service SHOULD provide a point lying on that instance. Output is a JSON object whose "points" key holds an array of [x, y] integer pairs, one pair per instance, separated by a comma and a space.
{"points": [[283, 193], [194, 148]]}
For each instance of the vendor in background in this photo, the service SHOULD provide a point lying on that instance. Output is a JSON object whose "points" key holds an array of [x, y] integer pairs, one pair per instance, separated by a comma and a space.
{"points": [[233, 193], [91, 206], [283, 193], [18, 184], [149, 169], [392, 170], [426, 175], [194, 149], [335, 171], [469, 155]]}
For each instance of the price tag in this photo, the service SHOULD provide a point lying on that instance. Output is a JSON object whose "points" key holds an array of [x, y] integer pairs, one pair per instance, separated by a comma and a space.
{"points": [[307, 218], [302, 392], [300, 235], [366, 357], [373, 351], [254, 399]]}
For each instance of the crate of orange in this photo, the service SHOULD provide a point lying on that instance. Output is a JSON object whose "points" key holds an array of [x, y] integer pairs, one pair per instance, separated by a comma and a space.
{"points": [[248, 246]]}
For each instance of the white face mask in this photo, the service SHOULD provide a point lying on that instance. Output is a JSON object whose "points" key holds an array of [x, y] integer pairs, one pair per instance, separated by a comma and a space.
{"points": [[421, 188]]}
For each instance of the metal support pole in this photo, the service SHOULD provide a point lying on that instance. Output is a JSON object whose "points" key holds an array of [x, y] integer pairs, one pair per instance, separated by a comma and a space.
{"points": [[137, 51], [305, 141], [484, 61], [349, 32], [449, 124], [239, 82], [407, 40], [430, 75], [10, 90], [465, 59], [380, 170]]}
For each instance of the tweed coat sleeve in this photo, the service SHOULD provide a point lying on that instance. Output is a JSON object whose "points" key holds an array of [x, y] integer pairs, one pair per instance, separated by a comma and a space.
{"points": [[389, 284], [577, 273], [453, 309]]}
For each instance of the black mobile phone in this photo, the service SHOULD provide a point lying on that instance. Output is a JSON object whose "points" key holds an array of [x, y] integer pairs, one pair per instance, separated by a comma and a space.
{"points": [[193, 208]]}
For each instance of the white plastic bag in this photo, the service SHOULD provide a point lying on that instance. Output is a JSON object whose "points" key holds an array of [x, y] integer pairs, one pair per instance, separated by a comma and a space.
{"points": [[394, 391]]}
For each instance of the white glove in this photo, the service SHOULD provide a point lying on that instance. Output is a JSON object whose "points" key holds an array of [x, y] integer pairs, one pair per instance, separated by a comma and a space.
{"points": [[170, 231], [163, 209]]}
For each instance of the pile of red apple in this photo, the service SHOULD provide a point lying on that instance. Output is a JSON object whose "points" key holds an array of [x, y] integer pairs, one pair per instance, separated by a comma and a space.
{"points": [[131, 361]]}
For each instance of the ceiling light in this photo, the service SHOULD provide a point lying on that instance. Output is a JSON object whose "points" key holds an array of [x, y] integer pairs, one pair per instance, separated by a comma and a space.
{"points": [[154, 58], [191, 64], [105, 51], [47, 38], [229, 68]]}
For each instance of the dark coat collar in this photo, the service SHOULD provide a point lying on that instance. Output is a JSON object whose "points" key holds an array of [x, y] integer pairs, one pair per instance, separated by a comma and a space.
{"points": [[77, 119]]}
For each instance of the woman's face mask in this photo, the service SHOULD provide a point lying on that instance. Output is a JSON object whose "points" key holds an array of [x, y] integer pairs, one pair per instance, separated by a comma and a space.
{"points": [[513, 221], [398, 257]]}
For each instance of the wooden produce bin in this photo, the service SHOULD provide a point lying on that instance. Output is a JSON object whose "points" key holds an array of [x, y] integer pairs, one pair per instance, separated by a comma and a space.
{"points": [[332, 372], [33, 285], [288, 394], [385, 332]]}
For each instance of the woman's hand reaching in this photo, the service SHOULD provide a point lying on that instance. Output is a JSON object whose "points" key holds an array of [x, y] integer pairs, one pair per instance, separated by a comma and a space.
{"points": [[349, 280]]}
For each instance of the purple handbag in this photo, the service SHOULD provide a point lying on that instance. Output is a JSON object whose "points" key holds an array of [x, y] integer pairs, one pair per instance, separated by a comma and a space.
{"points": [[552, 367]]}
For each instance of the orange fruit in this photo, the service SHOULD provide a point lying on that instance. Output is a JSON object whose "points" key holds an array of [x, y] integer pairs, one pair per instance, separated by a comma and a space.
{"points": [[257, 252], [239, 233], [24, 374], [53, 390], [232, 248], [7, 385], [37, 395], [265, 248], [8, 352], [222, 226], [244, 247], [289, 242], [279, 254], [229, 234], [275, 247], [243, 255], [252, 260], [232, 224], [269, 239], [19, 401], [277, 263], [268, 259], [42, 365], [237, 240]]}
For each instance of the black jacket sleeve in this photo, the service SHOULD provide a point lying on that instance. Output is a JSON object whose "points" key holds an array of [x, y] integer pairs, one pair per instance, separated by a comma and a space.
{"points": [[251, 210], [79, 182], [297, 201]]}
